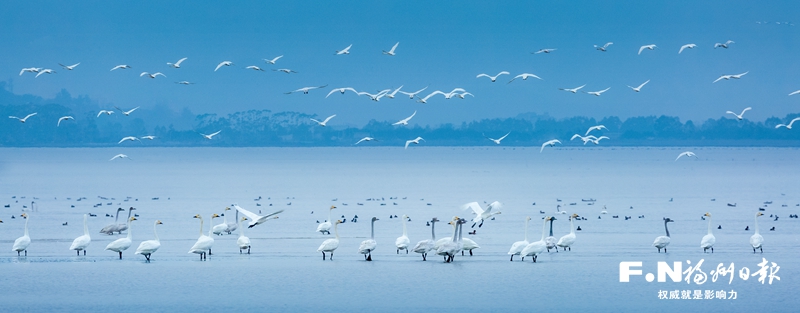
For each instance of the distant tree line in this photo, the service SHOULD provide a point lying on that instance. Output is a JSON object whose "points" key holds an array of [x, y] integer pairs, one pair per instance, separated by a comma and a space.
{"points": [[267, 128]]}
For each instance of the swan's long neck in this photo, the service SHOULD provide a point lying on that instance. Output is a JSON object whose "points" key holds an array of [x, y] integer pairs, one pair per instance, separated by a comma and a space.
{"points": [[225, 219], [756, 223], [330, 211], [129, 214], [544, 229], [241, 229], [460, 231], [201, 225], [237, 216], [551, 228], [335, 230], [709, 225], [154, 231], [665, 228], [433, 233], [86, 227], [404, 226], [526, 229], [210, 228], [455, 232], [129, 229], [571, 226], [372, 230], [116, 219], [26, 225]]}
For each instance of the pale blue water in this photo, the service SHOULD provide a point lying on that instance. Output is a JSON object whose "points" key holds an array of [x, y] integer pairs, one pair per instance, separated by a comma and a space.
{"points": [[285, 273]]}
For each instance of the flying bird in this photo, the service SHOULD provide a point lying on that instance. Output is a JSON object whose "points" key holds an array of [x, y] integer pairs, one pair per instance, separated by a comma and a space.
{"points": [[325, 122], [598, 93], [493, 78], [177, 64], [184, 82], [153, 75], [30, 70], [412, 95], [375, 97], [127, 112], [687, 46], [544, 51], [524, 76], [273, 60], [794, 93], [366, 139], [149, 137], [572, 90], [550, 143], [595, 140], [285, 70], [120, 156], [22, 120], [209, 137], [255, 68], [122, 66], [131, 138], [414, 141], [463, 95], [405, 120], [45, 71], [224, 63], [437, 92], [344, 51], [687, 154], [70, 67], [637, 89], [341, 90], [651, 47], [789, 126], [256, 219], [598, 127], [723, 45], [391, 52], [497, 141], [64, 118], [305, 89], [585, 139], [604, 47], [106, 112], [727, 77], [393, 93], [739, 116]]}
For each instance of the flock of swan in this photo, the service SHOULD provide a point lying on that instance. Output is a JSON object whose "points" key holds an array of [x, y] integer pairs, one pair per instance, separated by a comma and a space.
{"points": [[447, 247]]}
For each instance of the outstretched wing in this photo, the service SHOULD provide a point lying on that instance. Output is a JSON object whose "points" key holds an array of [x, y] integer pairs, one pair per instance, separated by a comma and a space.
{"points": [[474, 206], [252, 216]]}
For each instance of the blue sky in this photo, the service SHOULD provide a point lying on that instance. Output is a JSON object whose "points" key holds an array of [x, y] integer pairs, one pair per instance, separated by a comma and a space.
{"points": [[443, 45]]}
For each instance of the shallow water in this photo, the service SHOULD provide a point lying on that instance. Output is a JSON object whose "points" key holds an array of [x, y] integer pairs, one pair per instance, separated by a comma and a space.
{"points": [[285, 273]]}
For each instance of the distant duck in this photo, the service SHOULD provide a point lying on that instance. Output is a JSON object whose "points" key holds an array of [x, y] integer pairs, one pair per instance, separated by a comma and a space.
{"points": [[64, 224], [747, 228], [719, 227], [476, 231], [772, 229], [579, 228]]}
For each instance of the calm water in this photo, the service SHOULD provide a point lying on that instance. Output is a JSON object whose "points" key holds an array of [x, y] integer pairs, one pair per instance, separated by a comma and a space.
{"points": [[285, 273]]}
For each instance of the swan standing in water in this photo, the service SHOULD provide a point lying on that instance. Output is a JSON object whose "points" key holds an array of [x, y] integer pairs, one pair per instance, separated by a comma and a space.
{"points": [[709, 239], [566, 241], [537, 247], [325, 228], [756, 240], [550, 240], [22, 243], [122, 244], [517, 247], [331, 244], [449, 249], [425, 246], [370, 244], [80, 243], [204, 242], [110, 228], [149, 247], [124, 226], [243, 241], [220, 228], [233, 225], [402, 242], [663, 241]]}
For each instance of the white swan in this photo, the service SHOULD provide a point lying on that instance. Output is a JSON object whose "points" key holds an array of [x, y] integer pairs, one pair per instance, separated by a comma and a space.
{"points": [[517, 247], [498, 140], [121, 66], [45, 71], [550, 143], [604, 47], [325, 122], [405, 120], [566, 241], [412, 95], [126, 113], [524, 76], [210, 136], [256, 219], [572, 90], [367, 246], [120, 156], [414, 141], [204, 243], [687, 46], [233, 225], [739, 116], [662, 242], [482, 215], [493, 78], [330, 245], [687, 154], [220, 228], [243, 241], [149, 247], [709, 239], [788, 126], [325, 227], [110, 228], [341, 90], [64, 118], [550, 241], [544, 51], [22, 120], [305, 90], [391, 52], [365, 139], [22, 243], [152, 75], [124, 226], [728, 77], [449, 249], [402, 242], [393, 93], [345, 50], [650, 47], [82, 242], [723, 45], [273, 60], [131, 138], [224, 63], [756, 239], [535, 248], [638, 89], [425, 246], [177, 64], [598, 93], [122, 244]]}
